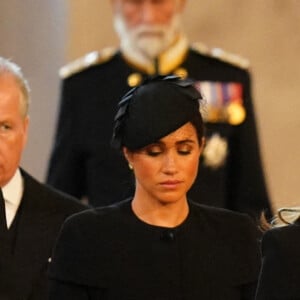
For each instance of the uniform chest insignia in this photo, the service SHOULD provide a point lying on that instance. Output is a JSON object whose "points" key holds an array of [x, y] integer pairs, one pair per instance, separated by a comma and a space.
{"points": [[134, 79], [223, 102], [236, 113], [181, 72], [215, 151]]}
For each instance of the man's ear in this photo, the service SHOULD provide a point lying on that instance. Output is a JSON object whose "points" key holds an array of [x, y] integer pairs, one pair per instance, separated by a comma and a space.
{"points": [[25, 134]]}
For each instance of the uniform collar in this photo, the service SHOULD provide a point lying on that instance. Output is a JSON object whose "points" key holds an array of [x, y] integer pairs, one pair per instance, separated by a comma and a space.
{"points": [[167, 61]]}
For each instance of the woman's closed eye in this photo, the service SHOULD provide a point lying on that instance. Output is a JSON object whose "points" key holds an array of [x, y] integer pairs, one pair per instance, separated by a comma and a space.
{"points": [[185, 149], [154, 150]]}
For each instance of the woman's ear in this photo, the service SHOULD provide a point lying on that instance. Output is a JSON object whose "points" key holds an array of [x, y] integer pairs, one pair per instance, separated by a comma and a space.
{"points": [[128, 156], [202, 145], [125, 153]]}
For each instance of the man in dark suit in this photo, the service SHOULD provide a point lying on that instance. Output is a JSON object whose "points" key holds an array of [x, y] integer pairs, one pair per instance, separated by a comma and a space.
{"points": [[152, 42], [31, 213]]}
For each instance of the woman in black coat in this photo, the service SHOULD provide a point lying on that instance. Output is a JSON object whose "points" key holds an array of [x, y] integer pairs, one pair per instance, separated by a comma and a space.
{"points": [[159, 244], [280, 273]]}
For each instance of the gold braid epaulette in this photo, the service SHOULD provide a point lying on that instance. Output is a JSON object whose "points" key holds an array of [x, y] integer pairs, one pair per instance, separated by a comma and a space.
{"points": [[88, 60], [222, 55]]}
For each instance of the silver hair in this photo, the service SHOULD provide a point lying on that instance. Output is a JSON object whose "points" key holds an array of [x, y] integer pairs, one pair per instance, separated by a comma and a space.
{"points": [[10, 68]]}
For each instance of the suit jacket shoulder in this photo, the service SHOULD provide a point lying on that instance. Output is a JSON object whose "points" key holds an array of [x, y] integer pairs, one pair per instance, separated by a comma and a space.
{"points": [[49, 199]]}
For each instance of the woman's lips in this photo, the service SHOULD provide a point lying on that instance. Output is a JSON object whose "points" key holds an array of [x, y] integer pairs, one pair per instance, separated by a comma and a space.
{"points": [[171, 184]]}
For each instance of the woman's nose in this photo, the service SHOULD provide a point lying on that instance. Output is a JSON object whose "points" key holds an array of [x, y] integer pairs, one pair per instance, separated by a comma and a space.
{"points": [[169, 164]]}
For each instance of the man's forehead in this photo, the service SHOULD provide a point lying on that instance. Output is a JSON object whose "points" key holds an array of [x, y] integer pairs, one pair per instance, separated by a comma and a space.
{"points": [[7, 79]]}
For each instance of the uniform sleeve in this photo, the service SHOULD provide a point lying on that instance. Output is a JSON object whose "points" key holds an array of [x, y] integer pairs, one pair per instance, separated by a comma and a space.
{"points": [[248, 190], [66, 167]]}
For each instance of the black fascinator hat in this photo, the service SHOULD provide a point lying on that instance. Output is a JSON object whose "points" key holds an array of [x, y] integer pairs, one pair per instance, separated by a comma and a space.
{"points": [[152, 110]]}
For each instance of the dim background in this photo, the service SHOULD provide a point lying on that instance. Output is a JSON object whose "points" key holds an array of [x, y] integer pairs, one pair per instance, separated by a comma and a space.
{"points": [[41, 36]]}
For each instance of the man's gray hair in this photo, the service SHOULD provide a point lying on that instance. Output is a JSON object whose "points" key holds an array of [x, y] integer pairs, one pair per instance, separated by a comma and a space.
{"points": [[9, 67]]}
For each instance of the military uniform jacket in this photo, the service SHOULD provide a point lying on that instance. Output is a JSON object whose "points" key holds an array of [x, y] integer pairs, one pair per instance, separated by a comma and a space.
{"points": [[109, 253], [84, 164], [279, 278], [23, 268]]}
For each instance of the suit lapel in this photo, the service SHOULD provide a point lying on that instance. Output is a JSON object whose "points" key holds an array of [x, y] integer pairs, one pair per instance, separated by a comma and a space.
{"points": [[32, 244], [33, 221]]}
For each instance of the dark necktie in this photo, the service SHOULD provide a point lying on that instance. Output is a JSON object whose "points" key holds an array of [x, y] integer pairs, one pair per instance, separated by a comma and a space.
{"points": [[3, 226]]}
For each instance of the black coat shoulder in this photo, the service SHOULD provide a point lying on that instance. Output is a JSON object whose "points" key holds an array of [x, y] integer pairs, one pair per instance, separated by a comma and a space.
{"points": [[83, 233], [231, 235], [226, 220]]}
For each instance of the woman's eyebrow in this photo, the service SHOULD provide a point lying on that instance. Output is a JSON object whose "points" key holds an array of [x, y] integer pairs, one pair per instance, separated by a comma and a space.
{"points": [[186, 141]]}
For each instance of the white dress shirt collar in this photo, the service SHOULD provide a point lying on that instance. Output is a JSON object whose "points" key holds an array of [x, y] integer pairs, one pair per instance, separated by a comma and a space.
{"points": [[12, 193]]}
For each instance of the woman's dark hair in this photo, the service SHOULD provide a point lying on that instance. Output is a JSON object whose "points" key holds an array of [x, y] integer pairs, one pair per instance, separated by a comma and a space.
{"points": [[198, 124]]}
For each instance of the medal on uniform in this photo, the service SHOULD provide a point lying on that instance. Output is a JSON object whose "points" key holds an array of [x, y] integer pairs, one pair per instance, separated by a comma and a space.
{"points": [[236, 113], [134, 79], [181, 72]]}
